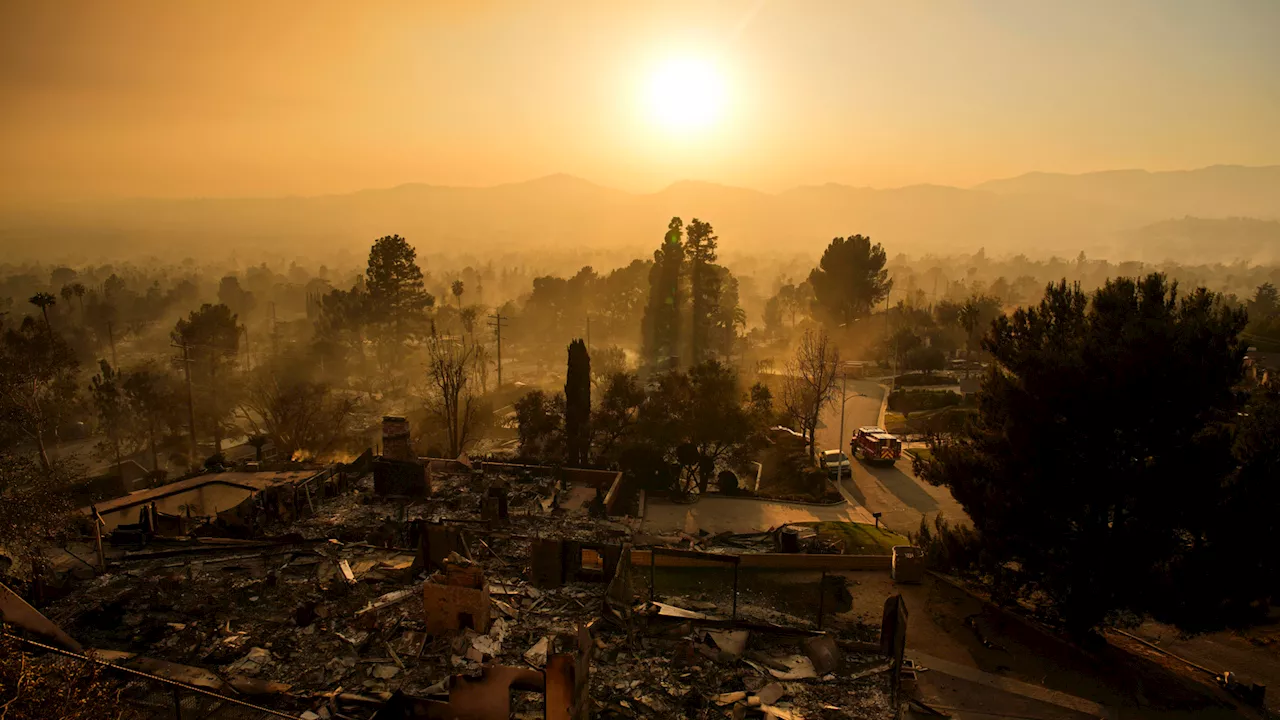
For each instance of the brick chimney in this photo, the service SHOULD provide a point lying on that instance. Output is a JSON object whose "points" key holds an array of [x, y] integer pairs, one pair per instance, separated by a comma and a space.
{"points": [[395, 438]]}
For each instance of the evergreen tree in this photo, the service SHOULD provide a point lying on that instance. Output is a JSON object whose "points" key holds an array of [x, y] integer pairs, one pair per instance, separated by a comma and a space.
{"points": [[108, 399], [230, 293], [1101, 441], [540, 419], [661, 325], [850, 279], [727, 317], [397, 300], [704, 287], [213, 336], [577, 407], [615, 416], [152, 398]]}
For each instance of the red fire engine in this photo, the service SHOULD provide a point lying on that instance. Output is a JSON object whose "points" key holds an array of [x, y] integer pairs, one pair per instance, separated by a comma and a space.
{"points": [[876, 445]]}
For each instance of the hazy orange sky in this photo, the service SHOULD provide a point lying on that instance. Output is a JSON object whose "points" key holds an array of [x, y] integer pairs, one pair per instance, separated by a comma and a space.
{"points": [[268, 97]]}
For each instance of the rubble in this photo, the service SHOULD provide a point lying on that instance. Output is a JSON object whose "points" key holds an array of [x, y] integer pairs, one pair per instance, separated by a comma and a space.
{"points": [[250, 664], [347, 574], [823, 654], [458, 601], [537, 655], [513, 612]]}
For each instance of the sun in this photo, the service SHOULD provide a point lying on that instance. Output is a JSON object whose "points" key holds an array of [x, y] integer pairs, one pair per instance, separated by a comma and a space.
{"points": [[685, 94]]}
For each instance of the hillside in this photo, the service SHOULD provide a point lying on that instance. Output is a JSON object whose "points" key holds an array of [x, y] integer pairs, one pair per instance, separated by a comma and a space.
{"points": [[1038, 214], [1215, 192]]}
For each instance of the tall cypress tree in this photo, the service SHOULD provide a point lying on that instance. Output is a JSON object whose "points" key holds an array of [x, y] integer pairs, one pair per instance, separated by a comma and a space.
{"points": [[577, 404]]}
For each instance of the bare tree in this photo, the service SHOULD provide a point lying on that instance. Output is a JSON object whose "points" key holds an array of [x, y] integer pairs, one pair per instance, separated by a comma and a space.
{"points": [[452, 399], [810, 383], [35, 509], [284, 403], [480, 359], [37, 385]]}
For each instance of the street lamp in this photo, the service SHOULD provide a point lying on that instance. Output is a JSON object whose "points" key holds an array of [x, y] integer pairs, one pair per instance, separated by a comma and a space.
{"points": [[844, 398]]}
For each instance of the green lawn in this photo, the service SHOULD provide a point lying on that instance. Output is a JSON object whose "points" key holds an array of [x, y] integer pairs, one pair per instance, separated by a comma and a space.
{"points": [[861, 539], [925, 454]]}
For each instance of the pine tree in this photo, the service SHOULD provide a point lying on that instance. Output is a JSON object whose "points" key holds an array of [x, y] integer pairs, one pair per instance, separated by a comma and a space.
{"points": [[1095, 507], [704, 287], [850, 279], [108, 399], [213, 335], [397, 300], [661, 329]]}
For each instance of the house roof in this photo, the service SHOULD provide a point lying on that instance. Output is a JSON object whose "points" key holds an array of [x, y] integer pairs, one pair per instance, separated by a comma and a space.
{"points": [[255, 481]]}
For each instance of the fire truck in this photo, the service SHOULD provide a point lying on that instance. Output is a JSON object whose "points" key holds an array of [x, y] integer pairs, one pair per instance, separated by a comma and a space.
{"points": [[874, 445]]}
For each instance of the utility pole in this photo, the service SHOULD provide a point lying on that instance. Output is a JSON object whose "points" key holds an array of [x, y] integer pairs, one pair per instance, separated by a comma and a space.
{"points": [[893, 352], [498, 319], [275, 336], [111, 336], [191, 398], [844, 398], [588, 332]]}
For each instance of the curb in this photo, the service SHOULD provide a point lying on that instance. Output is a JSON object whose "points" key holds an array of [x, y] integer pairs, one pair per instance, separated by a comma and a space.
{"points": [[774, 500]]}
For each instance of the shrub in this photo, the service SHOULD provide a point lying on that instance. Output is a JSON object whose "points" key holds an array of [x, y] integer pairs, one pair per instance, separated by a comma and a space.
{"points": [[909, 401], [47, 686], [728, 482], [921, 379], [948, 548], [925, 358]]}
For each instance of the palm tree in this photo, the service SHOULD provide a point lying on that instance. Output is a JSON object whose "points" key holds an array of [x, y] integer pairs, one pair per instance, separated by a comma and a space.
{"points": [[457, 287], [469, 320], [43, 300], [969, 317], [78, 289]]}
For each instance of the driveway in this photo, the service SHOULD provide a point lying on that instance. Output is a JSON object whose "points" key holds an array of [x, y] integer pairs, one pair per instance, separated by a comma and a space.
{"points": [[895, 492]]}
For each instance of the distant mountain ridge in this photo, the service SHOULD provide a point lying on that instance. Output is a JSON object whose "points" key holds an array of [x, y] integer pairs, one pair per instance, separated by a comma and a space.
{"points": [[1036, 213], [1215, 191]]}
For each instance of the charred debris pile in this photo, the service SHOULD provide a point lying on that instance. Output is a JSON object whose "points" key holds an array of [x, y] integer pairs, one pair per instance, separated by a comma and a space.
{"points": [[439, 588]]}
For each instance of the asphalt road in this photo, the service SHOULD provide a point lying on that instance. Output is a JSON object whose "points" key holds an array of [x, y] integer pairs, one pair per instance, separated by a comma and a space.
{"points": [[894, 491]]}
